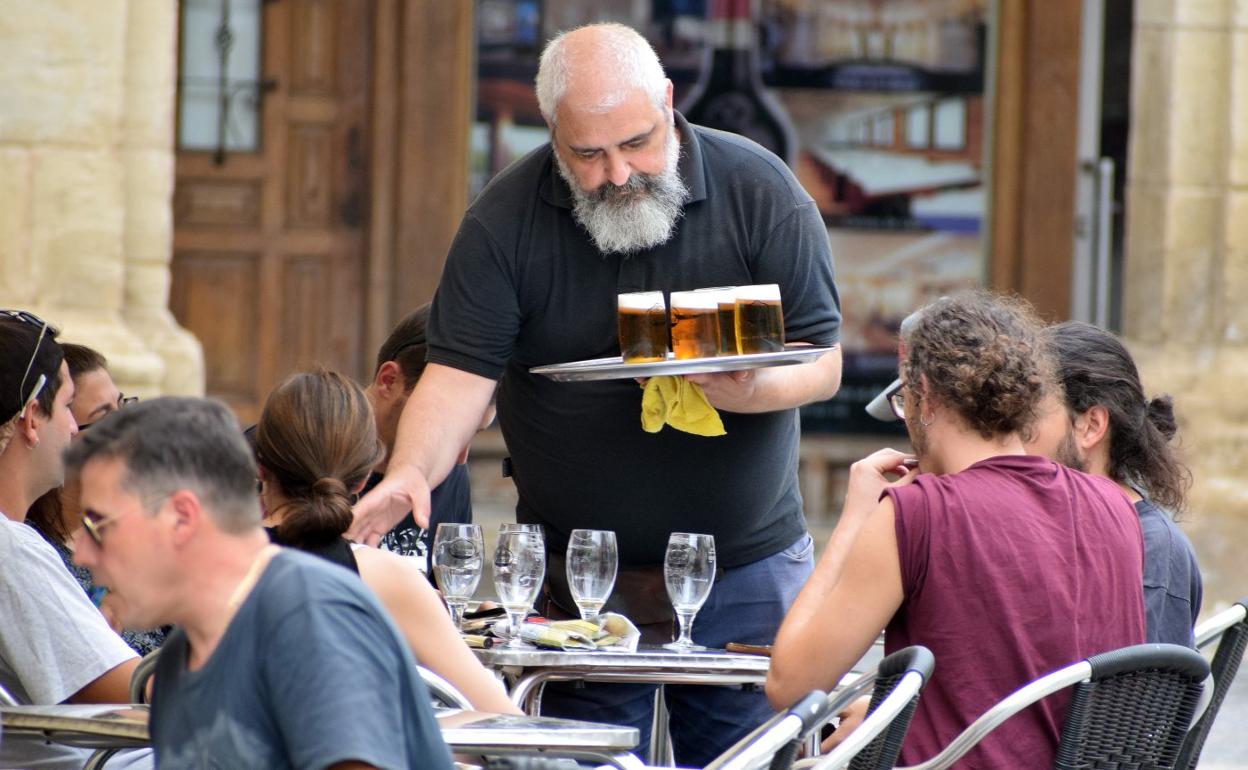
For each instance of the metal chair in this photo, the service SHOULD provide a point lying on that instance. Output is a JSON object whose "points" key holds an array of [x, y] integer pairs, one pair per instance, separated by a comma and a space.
{"points": [[141, 675], [767, 744], [6, 698], [444, 693], [1229, 630], [1129, 708], [897, 683]]}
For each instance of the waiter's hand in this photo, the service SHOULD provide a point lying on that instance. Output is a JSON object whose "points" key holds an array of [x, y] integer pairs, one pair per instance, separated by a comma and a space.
{"points": [[730, 391], [402, 490]]}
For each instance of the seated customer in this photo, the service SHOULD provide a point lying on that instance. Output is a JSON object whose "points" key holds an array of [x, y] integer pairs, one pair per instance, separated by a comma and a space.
{"points": [[55, 646], [56, 514], [316, 443], [400, 363], [1007, 566], [279, 659], [1107, 427]]}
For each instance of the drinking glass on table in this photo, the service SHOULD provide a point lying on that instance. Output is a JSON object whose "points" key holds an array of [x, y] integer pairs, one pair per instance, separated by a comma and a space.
{"points": [[458, 555], [689, 571], [591, 563], [519, 569]]}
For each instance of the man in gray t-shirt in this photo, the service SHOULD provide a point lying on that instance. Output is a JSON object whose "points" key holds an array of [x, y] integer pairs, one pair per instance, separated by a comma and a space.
{"points": [[279, 660]]}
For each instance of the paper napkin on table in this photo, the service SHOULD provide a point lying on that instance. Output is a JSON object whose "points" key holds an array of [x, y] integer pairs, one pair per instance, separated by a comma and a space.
{"points": [[672, 400], [609, 631]]}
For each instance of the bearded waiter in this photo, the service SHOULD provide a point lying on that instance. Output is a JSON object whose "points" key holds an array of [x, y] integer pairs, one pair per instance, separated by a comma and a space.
{"points": [[628, 196]]}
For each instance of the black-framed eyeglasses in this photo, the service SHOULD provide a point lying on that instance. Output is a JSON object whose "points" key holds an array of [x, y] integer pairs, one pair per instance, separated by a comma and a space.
{"points": [[897, 400], [23, 397], [122, 402]]}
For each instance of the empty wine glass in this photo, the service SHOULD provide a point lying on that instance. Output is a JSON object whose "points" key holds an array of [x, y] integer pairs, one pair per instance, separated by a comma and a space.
{"points": [[458, 556], [591, 564], [519, 569], [689, 570]]}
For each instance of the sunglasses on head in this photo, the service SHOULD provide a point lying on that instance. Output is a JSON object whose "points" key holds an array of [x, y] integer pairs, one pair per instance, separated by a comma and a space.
{"points": [[30, 318]]}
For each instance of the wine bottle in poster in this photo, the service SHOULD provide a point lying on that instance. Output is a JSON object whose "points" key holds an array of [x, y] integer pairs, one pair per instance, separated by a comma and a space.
{"points": [[729, 94]]}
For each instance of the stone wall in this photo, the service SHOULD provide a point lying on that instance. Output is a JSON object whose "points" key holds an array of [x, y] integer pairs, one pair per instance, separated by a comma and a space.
{"points": [[86, 180], [1186, 277]]}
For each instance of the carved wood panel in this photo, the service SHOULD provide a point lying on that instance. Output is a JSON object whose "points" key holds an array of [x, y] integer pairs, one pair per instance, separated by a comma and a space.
{"points": [[308, 175], [312, 46], [218, 202], [217, 295]]}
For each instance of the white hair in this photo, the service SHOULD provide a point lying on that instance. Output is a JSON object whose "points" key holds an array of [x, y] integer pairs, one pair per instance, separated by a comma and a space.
{"points": [[624, 60]]}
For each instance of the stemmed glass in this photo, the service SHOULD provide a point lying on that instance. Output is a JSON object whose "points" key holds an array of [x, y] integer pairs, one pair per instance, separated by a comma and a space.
{"points": [[519, 569], [591, 563], [458, 556], [689, 570]]}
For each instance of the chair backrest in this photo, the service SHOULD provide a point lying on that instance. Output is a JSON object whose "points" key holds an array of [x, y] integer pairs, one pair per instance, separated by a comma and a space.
{"points": [[1229, 630], [1129, 708], [876, 743], [444, 693], [1135, 707], [760, 747], [141, 675]]}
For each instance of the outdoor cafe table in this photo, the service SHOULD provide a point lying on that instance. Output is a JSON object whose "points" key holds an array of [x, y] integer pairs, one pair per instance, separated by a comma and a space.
{"points": [[526, 670], [465, 732]]}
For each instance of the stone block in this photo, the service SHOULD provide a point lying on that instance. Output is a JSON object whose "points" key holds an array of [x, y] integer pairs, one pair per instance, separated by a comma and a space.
{"points": [[15, 264], [61, 72], [150, 74], [1239, 14], [1235, 290], [1143, 270], [1202, 13], [1151, 65], [1200, 108], [76, 232], [1154, 13], [1238, 101], [148, 180]]}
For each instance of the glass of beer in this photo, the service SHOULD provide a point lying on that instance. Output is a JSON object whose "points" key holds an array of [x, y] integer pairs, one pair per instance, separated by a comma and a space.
{"points": [[643, 327], [759, 319], [695, 324], [726, 301]]}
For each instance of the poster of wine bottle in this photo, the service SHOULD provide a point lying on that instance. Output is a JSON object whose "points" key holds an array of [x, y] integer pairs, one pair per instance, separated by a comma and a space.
{"points": [[878, 106]]}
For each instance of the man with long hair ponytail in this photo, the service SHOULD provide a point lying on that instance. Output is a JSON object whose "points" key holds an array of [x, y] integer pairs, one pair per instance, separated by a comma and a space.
{"points": [[1108, 427]]}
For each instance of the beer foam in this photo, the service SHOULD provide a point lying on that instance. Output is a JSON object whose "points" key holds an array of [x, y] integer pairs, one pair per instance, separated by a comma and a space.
{"points": [[694, 300], [642, 300], [763, 292], [724, 295]]}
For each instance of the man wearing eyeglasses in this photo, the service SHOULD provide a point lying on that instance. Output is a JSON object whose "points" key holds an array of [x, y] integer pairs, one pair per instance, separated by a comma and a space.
{"points": [[279, 659], [55, 646]]}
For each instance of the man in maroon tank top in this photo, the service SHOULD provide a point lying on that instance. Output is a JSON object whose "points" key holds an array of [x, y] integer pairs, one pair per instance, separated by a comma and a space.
{"points": [[1006, 566]]}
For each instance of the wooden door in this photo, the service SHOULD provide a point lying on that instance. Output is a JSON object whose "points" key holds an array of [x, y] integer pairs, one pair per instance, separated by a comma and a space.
{"points": [[270, 252]]}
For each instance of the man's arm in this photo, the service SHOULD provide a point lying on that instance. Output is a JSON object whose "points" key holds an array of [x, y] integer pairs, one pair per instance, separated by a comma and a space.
{"points": [[113, 686], [775, 388], [854, 591], [438, 420]]}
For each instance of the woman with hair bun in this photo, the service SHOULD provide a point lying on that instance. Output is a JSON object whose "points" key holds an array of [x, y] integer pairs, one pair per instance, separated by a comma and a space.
{"points": [[315, 444]]}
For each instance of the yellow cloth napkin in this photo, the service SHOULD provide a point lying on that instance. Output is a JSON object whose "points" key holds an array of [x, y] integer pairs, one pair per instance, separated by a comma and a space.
{"points": [[674, 401]]}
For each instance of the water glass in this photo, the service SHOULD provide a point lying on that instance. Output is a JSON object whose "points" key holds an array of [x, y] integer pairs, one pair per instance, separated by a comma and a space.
{"points": [[591, 563], [458, 556], [519, 569], [689, 571]]}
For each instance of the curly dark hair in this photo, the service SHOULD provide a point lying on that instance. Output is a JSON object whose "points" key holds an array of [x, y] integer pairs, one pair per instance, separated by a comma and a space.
{"points": [[981, 355], [1097, 370]]}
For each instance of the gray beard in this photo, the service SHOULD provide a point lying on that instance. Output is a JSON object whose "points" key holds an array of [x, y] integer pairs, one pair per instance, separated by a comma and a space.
{"points": [[640, 214]]}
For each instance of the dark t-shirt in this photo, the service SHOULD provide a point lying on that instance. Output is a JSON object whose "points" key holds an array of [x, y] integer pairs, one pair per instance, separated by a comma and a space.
{"points": [[525, 286], [449, 503], [310, 672], [1011, 569], [1172, 585]]}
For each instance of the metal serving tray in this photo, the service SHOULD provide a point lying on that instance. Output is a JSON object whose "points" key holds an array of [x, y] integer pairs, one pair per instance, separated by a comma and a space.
{"points": [[614, 368]]}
